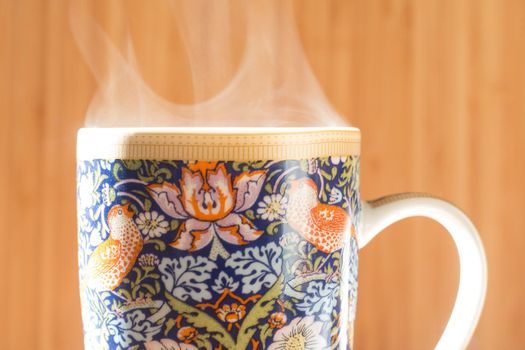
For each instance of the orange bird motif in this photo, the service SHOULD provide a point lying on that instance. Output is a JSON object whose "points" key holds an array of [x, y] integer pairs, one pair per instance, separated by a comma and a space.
{"points": [[322, 225], [113, 259]]}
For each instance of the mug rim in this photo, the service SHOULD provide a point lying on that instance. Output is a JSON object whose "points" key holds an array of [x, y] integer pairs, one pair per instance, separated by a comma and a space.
{"points": [[217, 143], [221, 129]]}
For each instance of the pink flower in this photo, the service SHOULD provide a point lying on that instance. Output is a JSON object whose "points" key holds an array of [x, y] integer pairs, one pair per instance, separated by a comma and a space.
{"points": [[168, 344], [211, 205]]}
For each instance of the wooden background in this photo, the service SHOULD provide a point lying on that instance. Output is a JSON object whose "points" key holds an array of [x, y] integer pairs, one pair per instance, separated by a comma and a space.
{"points": [[436, 86]]}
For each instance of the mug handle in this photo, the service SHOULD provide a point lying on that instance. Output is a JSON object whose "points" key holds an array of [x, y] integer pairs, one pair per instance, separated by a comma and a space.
{"points": [[380, 213]]}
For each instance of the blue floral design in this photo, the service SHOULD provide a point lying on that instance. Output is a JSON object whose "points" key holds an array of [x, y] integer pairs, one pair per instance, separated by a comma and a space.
{"points": [[233, 279], [321, 299]]}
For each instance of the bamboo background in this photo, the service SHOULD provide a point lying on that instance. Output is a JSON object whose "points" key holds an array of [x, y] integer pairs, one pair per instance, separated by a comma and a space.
{"points": [[436, 86]]}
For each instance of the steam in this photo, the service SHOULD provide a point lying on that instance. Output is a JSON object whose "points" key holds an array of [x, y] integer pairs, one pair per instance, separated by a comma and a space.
{"points": [[272, 86]]}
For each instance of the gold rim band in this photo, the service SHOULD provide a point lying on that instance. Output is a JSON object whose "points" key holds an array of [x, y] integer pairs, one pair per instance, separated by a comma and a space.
{"points": [[187, 144]]}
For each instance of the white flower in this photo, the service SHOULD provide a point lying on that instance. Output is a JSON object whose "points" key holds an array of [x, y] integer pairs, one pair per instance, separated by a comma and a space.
{"points": [[337, 160], [224, 282], [302, 333], [152, 224], [272, 207], [86, 189], [336, 196]]}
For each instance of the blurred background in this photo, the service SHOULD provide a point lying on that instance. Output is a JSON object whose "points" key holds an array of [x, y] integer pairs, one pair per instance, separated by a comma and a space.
{"points": [[436, 86]]}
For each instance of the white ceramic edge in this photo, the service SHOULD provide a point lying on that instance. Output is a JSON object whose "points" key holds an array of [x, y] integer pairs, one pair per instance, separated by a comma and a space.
{"points": [[167, 142], [215, 130], [222, 129]]}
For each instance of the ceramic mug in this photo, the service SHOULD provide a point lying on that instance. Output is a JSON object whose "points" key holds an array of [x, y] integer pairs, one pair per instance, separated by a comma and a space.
{"points": [[238, 238]]}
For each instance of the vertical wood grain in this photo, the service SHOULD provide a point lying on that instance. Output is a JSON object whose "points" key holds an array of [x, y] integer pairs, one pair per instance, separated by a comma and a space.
{"points": [[24, 162], [6, 37], [499, 139], [437, 88]]}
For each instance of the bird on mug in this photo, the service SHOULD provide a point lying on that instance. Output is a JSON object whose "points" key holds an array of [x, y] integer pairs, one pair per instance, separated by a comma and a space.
{"points": [[323, 225], [113, 259]]}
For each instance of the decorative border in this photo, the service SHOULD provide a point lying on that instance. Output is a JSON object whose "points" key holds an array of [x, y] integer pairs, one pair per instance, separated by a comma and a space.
{"points": [[219, 144]]}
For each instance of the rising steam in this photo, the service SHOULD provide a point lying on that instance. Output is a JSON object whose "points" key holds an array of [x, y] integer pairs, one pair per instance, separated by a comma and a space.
{"points": [[273, 85]]}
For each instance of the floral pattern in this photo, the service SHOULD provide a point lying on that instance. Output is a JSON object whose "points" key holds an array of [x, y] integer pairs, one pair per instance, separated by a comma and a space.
{"points": [[302, 333], [211, 205], [219, 266], [151, 224], [320, 299], [272, 207], [168, 344]]}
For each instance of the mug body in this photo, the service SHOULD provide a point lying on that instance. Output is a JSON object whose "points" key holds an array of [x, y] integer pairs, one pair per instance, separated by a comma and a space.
{"points": [[194, 238]]}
